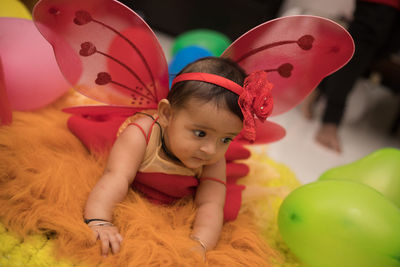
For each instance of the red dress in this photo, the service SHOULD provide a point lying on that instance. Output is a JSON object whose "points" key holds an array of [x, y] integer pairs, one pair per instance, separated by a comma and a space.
{"points": [[162, 181]]}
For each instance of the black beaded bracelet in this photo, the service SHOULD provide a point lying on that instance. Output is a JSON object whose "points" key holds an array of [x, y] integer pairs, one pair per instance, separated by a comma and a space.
{"points": [[87, 221]]}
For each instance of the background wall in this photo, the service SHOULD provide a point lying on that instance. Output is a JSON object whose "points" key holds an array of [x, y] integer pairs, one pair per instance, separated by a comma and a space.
{"points": [[230, 17]]}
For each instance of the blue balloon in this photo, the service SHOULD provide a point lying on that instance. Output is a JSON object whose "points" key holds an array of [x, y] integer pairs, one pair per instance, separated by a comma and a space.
{"points": [[184, 57]]}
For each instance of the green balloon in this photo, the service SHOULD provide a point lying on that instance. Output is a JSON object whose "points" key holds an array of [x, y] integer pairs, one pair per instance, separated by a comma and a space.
{"points": [[380, 170], [213, 41], [337, 223]]}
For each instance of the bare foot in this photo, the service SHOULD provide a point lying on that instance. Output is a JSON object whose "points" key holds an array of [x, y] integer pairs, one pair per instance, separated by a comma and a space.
{"points": [[328, 136], [307, 108]]}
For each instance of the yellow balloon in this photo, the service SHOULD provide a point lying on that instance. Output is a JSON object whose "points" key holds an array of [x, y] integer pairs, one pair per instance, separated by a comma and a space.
{"points": [[14, 9]]}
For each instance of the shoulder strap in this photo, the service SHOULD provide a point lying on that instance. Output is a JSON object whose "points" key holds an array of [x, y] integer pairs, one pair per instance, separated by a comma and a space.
{"points": [[148, 115], [146, 137]]}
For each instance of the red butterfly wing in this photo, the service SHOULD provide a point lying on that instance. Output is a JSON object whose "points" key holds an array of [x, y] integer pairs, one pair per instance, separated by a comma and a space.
{"points": [[297, 52], [105, 50], [267, 132]]}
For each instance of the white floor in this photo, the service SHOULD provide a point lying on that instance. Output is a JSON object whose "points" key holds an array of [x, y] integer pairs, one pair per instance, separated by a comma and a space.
{"points": [[365, 127]]}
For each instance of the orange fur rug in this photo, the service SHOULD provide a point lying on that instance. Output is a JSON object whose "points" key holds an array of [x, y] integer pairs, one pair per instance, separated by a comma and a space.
{"points": [[46, 175]]}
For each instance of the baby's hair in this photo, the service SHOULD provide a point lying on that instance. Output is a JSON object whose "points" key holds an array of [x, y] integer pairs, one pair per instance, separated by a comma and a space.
{"points": [[182, 92]]}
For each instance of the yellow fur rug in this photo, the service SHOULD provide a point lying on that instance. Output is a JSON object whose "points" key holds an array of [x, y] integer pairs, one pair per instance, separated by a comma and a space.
{"points": [[46, 175]]}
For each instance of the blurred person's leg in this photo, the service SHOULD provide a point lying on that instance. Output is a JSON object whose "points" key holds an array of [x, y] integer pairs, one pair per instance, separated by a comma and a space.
{"points": [[308, 104], [371, 28]]}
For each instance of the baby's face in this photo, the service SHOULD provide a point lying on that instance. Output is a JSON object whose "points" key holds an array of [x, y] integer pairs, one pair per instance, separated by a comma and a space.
{"points": [[200, 133]]}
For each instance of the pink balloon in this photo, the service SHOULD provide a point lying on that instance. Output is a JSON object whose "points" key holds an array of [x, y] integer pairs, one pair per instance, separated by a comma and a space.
{"points": [[31, 75], [5, 108]]}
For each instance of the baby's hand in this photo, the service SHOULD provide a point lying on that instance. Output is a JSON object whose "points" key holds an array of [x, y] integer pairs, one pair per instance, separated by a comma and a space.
{"points": [[108, 235]]}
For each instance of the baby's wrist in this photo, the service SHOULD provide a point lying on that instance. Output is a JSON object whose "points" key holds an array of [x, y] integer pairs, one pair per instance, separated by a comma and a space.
{"points": [[87, 221], [101, 224], [97, 222]]}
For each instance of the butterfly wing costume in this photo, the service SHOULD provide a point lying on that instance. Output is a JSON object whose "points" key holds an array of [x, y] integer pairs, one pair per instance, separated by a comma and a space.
{"points": [[108, 53]]}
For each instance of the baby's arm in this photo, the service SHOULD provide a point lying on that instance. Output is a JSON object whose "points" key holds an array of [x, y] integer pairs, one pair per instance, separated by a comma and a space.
{"points": [[124, 160], [210, 200]]}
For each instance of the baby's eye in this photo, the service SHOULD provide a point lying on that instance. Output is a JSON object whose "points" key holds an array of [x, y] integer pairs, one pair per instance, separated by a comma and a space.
{"points": [[226, 140], [199, 133]]}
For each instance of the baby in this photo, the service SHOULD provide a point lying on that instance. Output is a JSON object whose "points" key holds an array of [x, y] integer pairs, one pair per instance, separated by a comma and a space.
{"points": [[187, 135]]}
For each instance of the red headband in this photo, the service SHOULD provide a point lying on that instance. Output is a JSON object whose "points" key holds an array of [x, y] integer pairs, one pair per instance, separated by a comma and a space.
{"points": [[255, 98], [209, 78]]}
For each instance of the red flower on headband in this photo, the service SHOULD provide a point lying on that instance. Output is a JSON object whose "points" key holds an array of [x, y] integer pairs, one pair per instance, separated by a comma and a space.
{"points": [[255, 102]]}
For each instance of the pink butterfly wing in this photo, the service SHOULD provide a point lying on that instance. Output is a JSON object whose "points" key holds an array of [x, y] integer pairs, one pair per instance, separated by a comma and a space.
{"points": [[297, 52], [105, 50]]}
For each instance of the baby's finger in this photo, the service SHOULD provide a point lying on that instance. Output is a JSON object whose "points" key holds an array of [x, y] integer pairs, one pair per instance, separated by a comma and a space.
{"points": [[105, 243], [119, 237], [115, 244]]}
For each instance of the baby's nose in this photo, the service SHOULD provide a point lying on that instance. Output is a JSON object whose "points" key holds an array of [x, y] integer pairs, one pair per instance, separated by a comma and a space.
{"points": [[209, 148]]}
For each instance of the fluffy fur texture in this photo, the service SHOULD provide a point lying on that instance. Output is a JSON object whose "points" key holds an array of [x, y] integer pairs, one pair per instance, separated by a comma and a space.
{"points": [[46, 175]]}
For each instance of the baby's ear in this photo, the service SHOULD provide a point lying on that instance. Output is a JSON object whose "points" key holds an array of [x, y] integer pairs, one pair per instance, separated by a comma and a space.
{"points": [[164, 112]]}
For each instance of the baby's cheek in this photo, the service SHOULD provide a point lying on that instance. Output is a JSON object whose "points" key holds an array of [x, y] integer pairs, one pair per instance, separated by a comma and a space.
{"points": [[186, 147]]}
